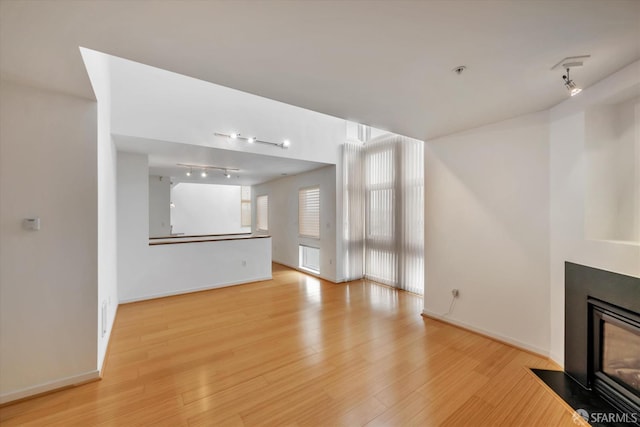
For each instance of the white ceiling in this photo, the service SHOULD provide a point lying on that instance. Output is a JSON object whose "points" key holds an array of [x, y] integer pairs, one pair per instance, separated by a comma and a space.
{"points": [[164, 157], [384, 63]]}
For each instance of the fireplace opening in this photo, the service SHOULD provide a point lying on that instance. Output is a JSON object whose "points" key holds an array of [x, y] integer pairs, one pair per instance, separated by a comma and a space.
{"points": [[614, 357]]}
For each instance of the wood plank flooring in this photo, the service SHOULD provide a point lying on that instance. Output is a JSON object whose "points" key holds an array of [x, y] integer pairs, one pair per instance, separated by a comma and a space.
{"points": [[297, 350]]}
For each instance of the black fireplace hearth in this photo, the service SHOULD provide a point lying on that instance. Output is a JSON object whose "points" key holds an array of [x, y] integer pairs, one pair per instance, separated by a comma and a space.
{"points": [[602, 335]]}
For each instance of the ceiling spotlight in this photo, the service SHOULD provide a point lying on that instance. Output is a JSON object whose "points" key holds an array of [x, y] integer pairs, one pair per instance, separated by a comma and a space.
{"points": [[251, 140], [570, 85], [203, 174], [189, 172], [234, 135], [227, 174], [286, 143]]}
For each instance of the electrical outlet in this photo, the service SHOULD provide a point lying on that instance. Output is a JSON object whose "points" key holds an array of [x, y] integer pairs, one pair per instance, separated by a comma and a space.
{"points": [[455, 293]]}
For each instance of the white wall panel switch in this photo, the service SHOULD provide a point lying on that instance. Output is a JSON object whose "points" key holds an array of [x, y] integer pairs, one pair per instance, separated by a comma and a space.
{"points": [[31, 224]]}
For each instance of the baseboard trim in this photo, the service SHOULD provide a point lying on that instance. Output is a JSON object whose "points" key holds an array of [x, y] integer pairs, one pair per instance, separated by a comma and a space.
{"points": [[557, 359], [191, 290], [48, 387], [491, 335]]}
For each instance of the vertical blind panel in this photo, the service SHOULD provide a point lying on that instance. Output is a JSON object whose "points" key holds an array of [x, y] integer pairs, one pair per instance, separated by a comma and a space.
{"points": [[262, 213], [309, 212], [245, 193], [245, 206], [384, 185], [353, 210], [245, 213]]}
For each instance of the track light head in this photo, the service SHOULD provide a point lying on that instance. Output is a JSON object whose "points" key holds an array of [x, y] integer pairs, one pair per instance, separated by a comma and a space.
{"points": [[571, 85], [203, 174]]}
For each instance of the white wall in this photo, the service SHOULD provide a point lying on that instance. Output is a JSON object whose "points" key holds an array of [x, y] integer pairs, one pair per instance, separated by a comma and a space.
{"points": [[133, 222], [206, 209], [159, 210], [283, 218], [487, 229], [568, 186], [152, 271], [98, 68], [179, 268], [612, 201], [157, 104], [48, 278]]}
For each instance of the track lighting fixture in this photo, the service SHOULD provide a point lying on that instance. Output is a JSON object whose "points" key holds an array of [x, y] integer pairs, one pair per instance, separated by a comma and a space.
{"points": [[250, 140], [566, 64], [570, 85], [205, 168]]}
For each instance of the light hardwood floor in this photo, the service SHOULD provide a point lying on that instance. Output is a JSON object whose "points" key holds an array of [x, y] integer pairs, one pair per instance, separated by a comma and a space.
{"points": [[296, 350]]}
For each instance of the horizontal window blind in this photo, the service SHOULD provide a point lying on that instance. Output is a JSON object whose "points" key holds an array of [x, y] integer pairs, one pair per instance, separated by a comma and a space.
{"points": [[262, 214], [309, 212], [310, 258]]}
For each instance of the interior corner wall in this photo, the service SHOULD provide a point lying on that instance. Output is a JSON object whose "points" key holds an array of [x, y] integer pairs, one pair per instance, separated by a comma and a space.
{"points": [[568, 181], [133, 223], [48, 278], [487, 229], [97, 65], [283, 218], [159, 206]]}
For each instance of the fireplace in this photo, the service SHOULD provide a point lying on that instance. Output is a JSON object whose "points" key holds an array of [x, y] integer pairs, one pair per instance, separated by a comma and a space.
{"points": [[614, 354], [602, 335]]}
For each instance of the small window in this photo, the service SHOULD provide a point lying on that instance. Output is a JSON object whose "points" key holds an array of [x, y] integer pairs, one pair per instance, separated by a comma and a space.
{"points": [[245, 206], [262, 213], [309, 259], [309, 212]]}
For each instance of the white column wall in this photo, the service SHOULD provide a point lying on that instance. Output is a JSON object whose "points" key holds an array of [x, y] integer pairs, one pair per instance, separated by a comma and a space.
{"points": [[98, 68], [48, 278]]}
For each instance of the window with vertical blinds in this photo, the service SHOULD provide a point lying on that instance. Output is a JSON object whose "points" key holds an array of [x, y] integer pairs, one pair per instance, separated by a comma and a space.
{"points": [[262, 213], [309, 212], [384, 211], [245, 206]]}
